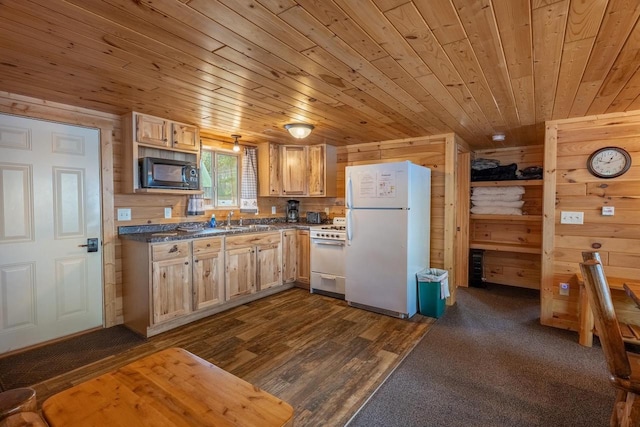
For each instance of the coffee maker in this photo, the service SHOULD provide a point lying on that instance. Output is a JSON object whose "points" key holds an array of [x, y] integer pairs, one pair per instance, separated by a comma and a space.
{"points": [[292, 210]]}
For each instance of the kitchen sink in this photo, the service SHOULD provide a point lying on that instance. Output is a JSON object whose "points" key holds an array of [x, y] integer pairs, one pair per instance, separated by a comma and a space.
{"points": [[259, 227]]}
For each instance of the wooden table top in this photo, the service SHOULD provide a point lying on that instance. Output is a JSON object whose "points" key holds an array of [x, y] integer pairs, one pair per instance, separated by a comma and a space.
{"points": [[170, 388]]}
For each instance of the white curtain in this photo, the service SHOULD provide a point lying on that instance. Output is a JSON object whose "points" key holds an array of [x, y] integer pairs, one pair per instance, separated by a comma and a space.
{"points": [[249, 190]]}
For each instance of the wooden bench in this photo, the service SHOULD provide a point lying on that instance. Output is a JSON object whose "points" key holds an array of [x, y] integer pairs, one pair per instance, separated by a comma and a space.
{"points": [[630, 332]]}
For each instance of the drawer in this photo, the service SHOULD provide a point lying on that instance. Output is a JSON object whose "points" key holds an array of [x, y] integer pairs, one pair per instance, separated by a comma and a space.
{"points": [[327, 282], [207, 245], [170, 250], [252, 239]]}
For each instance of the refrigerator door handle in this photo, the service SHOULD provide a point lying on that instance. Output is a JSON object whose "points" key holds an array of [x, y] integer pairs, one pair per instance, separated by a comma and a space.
{"points": [[349, 227], [349, 192]]}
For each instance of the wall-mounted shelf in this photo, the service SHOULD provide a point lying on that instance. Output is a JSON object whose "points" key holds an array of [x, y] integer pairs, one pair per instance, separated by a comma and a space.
{"points": [[506, 247], [507, 218], [510, 183]]}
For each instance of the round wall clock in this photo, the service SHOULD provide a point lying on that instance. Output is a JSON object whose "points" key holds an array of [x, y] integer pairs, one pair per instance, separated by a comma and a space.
{"points": [[609, 162]]}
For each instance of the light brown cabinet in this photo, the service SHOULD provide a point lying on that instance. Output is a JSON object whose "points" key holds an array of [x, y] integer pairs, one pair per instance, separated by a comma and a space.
{"points": [[297, 170], [289, 255], [303, 270], [294, 170], [252, 263], [150, 136], [164, 133], [269, 170], [208, 273], [166, 285], [240, 271], [170, 281]]}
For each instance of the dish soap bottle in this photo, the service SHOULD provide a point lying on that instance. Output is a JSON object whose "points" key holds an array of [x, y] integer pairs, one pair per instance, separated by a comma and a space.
{"points": [[212, 222]]}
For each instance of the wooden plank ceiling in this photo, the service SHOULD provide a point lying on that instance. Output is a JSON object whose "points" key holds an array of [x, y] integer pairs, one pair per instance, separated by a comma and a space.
{"points": [[359, 70]]}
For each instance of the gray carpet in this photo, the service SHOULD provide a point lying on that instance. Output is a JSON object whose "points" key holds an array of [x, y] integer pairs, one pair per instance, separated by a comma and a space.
{"points": [[489, 362]]}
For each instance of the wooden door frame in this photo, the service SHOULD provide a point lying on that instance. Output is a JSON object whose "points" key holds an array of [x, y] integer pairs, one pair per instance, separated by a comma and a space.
{"points": [[32, 108]]}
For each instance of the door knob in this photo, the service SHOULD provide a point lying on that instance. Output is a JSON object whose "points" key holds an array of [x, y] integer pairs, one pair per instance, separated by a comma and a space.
{"points": [[92, 245]]}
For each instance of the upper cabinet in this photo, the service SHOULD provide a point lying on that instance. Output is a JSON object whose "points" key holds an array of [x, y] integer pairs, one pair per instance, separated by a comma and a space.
{"points": [[294, 170], [150, 136], [164, 133], [297, 170]]}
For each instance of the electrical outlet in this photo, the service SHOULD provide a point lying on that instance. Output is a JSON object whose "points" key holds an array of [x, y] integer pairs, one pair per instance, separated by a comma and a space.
{"points": [[167, 213], [273, 210], [571, 217], [326, 210], [564, 289], [124, 214]]}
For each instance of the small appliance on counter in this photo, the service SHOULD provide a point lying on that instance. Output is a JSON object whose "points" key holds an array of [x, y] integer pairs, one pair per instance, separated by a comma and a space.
{"points": [[293, 212], [315, 217]]}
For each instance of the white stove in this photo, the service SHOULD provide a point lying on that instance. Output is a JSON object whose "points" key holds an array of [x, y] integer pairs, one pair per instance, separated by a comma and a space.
{"points": [[335, 231], [327, 258]]}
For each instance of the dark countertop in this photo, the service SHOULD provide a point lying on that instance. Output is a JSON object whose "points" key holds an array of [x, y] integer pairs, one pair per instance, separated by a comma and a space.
{"points": [[171, 232]]}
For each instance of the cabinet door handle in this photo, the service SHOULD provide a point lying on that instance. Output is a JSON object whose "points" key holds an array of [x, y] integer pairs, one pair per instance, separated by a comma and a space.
{"points": [[195, 260], [186, 263], [173, 249]]}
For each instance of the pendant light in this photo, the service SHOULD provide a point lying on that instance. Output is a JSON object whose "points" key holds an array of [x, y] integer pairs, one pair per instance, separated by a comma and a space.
{"points": [[299, 130], [236, 146]]}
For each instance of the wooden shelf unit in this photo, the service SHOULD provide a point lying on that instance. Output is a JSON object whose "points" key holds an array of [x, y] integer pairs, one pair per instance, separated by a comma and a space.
{"points": [[513, 242]]}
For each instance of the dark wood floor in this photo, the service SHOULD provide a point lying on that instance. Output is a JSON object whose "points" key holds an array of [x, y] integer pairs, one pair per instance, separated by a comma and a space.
{"points": [[317, 353]]}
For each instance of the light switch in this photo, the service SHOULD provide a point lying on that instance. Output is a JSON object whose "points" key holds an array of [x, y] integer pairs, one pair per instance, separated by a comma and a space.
{"points": [[124, 214], [571, 217], [273, 210], [608, 210], [167, 212]]}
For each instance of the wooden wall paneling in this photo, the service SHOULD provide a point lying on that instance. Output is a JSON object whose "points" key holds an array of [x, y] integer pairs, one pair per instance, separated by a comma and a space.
{"points": [[548, 225], [450, 218], [462, 179], [568, 145]]}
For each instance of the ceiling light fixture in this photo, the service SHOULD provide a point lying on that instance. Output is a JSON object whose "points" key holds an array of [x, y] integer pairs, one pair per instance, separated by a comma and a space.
{"points": [[299, 130], [236, 146], [497, 137]]}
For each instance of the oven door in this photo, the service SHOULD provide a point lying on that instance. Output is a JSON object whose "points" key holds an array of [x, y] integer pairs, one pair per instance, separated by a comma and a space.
{"points": [[328, 256]]}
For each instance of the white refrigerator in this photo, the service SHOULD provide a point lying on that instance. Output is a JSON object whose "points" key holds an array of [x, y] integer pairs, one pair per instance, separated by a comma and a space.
{"points": [[388, 231]]}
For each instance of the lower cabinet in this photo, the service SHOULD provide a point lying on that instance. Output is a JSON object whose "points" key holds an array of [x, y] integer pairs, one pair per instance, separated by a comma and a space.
{"points": [[303, 270], [208, 273], [165, 285], [252, 263], [240, 271], [289, 255], [170, 283]]}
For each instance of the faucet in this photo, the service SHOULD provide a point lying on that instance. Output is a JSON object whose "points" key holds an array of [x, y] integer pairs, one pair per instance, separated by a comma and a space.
{"points": [[229, 218]]}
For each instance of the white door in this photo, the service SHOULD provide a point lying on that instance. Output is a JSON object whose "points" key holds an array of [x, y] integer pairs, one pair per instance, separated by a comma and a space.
{"points": [[50, 286]]}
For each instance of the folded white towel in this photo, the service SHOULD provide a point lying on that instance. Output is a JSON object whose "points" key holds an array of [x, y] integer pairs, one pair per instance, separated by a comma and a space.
{"points": [[495, 210], [499, 203], [444, 288], [500, 197], [517, 189]]}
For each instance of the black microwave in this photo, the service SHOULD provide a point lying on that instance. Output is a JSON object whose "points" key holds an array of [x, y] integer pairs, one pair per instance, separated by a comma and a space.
{"points": [[168, 173]]}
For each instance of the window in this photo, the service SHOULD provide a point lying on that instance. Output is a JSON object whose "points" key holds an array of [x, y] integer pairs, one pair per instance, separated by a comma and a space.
{"points": [[219, 179]]}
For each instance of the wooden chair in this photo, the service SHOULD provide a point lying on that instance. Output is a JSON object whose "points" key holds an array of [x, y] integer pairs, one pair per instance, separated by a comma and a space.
{"points": [[18, 408], [624, 368]]}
